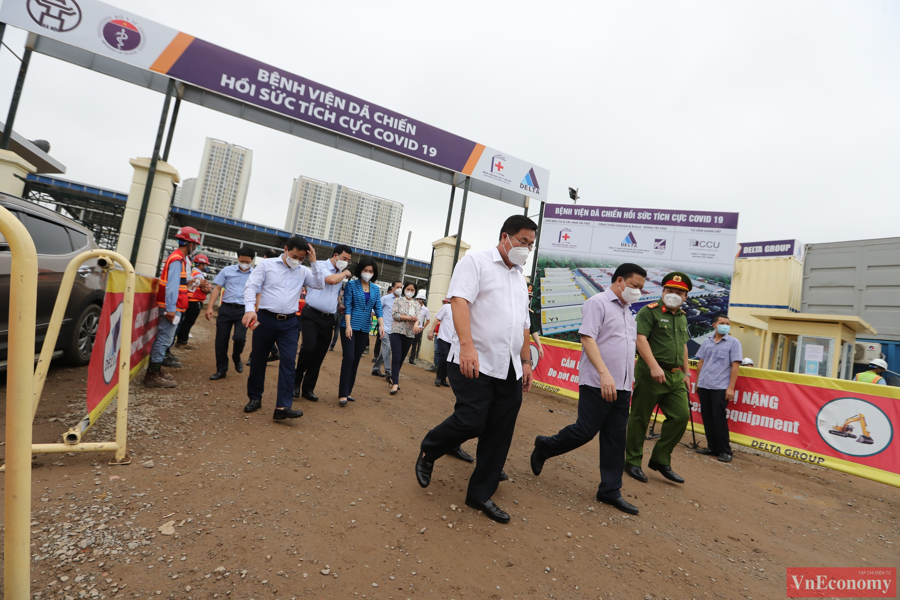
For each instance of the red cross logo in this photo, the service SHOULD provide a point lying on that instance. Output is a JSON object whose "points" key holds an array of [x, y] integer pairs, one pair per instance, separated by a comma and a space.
{"points": [[566, 237], [499, 166]]}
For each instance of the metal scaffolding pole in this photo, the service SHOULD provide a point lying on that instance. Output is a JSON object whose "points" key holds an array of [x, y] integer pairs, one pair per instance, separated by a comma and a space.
{"points": [[462, 218], [406, 257], [171, 133], [537, 243], [14, 103], [151, 174], [450, 209]]}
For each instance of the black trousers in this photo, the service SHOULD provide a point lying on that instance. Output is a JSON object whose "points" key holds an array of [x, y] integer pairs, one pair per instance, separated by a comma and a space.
{"points": [[187, 322], [414, 347], [610, 420], [715, 421], [230, 315], [352, 352], [272, 332], [317, 328], [441, 351], [487, 409], [337, 328], [400, 345]]}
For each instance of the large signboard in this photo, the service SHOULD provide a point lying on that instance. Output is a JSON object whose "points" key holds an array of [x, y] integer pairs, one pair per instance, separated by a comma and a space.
{"points": [[103, 370], [832, 423], [121, 35], [581, 246]]}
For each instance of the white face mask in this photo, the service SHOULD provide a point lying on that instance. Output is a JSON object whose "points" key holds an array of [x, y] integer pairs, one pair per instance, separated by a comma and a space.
{"points": [[293, 263], [244, 266], [410, 295], [397, 292], [367, 277], [672, 301], [517, 255], [341, 265], [631, 295]]}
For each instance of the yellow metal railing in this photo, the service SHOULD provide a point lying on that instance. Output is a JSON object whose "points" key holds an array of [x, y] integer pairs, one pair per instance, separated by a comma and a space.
{"points": [[19, 416]]}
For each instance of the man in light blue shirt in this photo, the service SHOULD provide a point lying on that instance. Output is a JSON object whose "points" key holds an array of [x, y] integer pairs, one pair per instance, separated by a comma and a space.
{"points": [[317, 321], [720, 360], [387, 320], [279, 282], [230, 284]]}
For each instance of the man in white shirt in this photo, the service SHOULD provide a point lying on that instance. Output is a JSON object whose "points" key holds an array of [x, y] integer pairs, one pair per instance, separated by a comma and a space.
{"points": [[387, 320], [279, 282], [317, 321], [424, 320], [443, 322], [490, 362]]}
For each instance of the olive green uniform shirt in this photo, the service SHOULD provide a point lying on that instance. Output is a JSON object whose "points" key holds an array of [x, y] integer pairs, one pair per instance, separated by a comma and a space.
{"points": [[666, 332]]}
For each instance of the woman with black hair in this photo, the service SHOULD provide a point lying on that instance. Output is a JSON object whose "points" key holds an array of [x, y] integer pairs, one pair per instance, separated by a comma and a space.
{"points": [[361, 298], [403, 331]]}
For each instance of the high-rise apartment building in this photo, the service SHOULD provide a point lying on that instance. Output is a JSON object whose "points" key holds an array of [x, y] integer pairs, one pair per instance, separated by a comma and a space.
{"points": [[184, 194], [221, 187], [337, 213]]}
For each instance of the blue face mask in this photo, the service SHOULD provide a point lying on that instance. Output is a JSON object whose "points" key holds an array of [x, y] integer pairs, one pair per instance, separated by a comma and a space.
{"points": [[723, 329]]}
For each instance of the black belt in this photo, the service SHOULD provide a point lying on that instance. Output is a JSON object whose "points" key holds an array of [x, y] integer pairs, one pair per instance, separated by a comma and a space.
{"points": [[317, 311], [279, 316], [233, 304], [670, 368]]}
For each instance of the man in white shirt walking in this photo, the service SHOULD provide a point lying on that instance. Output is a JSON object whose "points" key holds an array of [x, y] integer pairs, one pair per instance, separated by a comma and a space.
{"points": [[387, 320], [279, 282], [490, 362]]}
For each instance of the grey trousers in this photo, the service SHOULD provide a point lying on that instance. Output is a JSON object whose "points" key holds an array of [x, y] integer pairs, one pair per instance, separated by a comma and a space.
{"points": [[385, 356]]}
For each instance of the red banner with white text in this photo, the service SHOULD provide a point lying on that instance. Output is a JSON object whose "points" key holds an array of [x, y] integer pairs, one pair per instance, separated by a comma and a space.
{"points": [[842, 425], [103, 370]]}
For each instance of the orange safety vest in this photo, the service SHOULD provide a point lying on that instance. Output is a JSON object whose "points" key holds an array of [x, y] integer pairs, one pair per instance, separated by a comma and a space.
{"points": [[182, 304], [868, 377], [197, 295]]}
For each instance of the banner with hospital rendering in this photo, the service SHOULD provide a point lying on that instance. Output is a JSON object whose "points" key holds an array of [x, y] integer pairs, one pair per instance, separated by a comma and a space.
{"points": [[581, 246], [831, 423], [121, 35], [103, 370]]}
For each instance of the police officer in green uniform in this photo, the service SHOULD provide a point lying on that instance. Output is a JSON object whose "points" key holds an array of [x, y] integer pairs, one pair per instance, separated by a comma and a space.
{"points": [[661, 377]]}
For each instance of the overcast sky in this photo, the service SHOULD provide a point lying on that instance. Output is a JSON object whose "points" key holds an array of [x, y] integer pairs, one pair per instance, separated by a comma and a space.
{"points": [[786, 112]]}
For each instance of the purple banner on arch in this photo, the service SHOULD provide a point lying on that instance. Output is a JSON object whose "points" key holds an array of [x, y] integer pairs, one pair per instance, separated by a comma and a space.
{"points": [[614, 214]]}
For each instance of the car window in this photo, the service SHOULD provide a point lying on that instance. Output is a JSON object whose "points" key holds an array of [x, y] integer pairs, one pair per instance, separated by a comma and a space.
{"points": [[79, 239], [49, 238]]}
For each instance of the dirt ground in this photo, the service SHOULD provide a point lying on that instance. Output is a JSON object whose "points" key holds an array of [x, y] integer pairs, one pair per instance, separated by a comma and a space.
{"points": [[327, 506]]}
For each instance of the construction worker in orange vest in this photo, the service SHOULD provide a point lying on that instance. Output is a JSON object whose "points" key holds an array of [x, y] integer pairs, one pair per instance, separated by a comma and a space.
{"points": [[198, 287], [873, 375], [172, 301]]}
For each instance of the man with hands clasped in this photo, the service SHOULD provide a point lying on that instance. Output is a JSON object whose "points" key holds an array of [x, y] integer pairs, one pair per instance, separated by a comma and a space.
{"points": [[720, 360], [605, 377]]}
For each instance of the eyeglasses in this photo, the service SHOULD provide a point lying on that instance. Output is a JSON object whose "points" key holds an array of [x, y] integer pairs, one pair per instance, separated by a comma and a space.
{"points": [[521, 243]]}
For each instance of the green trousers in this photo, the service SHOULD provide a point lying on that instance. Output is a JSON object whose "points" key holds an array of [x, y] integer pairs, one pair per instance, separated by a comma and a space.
{"points": [[672, 398]]}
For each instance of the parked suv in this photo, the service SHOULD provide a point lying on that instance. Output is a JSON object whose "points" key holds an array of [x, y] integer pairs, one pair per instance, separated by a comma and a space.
{"points": [[58, 240]]}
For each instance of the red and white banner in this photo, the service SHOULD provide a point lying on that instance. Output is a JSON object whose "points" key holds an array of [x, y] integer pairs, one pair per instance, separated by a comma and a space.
{"points": [[842, 425], [103, 371]]}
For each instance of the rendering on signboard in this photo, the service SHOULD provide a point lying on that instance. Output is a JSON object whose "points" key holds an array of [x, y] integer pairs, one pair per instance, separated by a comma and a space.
{"points": [[121, 35], [581, 246]]}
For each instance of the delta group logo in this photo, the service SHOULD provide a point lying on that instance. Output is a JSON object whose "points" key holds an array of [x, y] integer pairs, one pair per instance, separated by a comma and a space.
{"points": [[55, 15], [630, 241], [122, 35], [530, 182]]}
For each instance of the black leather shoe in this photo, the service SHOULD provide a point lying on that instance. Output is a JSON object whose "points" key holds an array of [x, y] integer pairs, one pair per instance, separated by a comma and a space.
{"points": [[437, 383], [286, 413], [724, 457], [238, 365], [253, 406], [446, 384], [504, 476], [217, 375], [351, 399], [297, 391], [537, 457], [666, 471], [423, 470], [635, 472], [273, 357], [621, 504], [377, 373], [488, 508], [461, 454], [704, 451], [310, 396]]}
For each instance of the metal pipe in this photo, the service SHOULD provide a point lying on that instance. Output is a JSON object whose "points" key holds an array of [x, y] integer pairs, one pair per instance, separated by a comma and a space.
{"points": [[151, 174], [537, 243], [2, 32], [171, 133], [14, 103], [462, 218], [450, 209], [19, 382], [405, 257], [87, 447]]}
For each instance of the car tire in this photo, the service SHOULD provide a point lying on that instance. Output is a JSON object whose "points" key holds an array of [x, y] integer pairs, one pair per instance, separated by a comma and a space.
{"points": [[78, 351]]}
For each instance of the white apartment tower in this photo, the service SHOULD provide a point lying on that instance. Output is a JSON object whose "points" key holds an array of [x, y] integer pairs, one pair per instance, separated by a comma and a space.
{"points": [[337, 213], [221, 187]]}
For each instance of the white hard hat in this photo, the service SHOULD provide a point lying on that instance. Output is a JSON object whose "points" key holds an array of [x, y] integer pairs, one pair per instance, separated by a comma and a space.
{"points": [[747, 362], [878, 363], [421, 295]]}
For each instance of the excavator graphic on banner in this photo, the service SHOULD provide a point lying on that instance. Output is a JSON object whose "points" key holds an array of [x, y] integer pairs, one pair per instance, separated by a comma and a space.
{"points": [[846, 430]]}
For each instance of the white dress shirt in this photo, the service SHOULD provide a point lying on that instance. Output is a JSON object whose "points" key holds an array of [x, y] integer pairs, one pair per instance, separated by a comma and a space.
{"points": [[424, 315], [445, 316], [387, 316], [326, 299], [498, 309], [279, 286]]}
